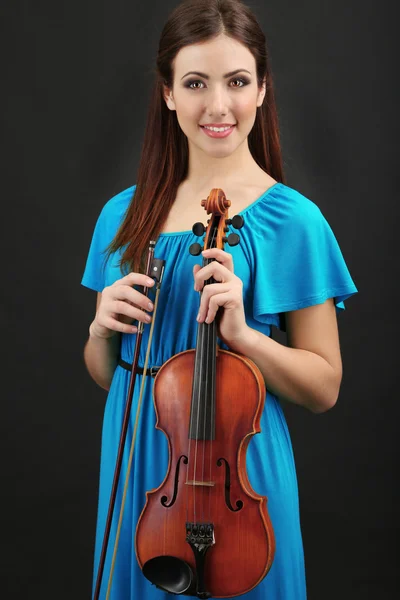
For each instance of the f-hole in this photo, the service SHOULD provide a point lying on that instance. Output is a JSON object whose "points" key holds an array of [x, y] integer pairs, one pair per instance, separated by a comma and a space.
{"points": [[239, 503], [164, 499]]}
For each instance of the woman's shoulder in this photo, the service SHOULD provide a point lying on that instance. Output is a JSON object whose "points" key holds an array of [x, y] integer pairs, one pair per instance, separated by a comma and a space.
{"points": [[117, 205], [113, 212], [294, 202], [283, 208]]}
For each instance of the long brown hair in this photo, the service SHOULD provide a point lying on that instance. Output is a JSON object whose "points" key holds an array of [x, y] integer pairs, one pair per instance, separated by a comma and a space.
{"points": [[164, 158]]}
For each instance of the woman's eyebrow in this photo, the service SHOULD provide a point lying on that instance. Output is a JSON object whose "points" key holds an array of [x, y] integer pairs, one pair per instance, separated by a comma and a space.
{"points": [[208, 77]]}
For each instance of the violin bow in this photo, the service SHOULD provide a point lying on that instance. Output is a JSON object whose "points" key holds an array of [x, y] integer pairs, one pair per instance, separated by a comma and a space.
{"points": [[155, 270]]}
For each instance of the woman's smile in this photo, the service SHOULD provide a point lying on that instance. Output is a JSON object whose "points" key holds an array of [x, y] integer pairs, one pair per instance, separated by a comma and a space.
{"points": [[218, 134]]}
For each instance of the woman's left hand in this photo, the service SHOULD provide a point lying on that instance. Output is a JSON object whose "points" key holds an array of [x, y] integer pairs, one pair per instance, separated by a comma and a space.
{"points": [[227, 293]]}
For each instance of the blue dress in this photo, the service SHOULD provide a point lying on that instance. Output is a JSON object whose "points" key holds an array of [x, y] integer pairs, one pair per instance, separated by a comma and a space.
{"points": [[288, 258]]}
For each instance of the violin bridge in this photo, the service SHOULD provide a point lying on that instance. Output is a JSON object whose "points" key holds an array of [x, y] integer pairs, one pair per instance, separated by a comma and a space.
{"points": [[200, 483]]}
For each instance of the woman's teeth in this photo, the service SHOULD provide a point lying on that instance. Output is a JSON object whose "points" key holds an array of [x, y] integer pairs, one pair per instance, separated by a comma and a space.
{"points": [[217, 128]]}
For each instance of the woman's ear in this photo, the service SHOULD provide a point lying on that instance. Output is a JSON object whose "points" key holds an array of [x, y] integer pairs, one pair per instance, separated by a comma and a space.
{"points": [[168, 97], [261, 94]]}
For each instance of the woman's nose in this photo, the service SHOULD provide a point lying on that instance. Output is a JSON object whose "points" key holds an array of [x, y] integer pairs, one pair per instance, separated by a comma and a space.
{"points": [[217, 101]]}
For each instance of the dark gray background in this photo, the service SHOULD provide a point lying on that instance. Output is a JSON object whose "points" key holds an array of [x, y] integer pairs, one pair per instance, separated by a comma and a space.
{"points": [[75, 80]]}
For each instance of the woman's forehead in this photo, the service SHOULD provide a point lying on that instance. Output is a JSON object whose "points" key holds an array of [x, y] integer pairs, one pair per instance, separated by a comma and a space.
{"points": [[215, 57]]}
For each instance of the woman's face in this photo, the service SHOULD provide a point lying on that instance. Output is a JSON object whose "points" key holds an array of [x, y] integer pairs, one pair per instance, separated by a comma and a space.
{"points": [[200, 100]]}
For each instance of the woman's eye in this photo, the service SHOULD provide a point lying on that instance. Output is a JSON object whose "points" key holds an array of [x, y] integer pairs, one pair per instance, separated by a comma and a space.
{"points": [[193, 81]]}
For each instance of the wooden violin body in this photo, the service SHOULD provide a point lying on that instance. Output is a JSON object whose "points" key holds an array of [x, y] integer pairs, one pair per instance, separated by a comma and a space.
{"points": [[244, 548]]}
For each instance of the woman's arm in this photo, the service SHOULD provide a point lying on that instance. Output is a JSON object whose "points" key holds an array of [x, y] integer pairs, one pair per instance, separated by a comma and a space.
{"points": [[100, 355], [307, 372], [117, 306]]}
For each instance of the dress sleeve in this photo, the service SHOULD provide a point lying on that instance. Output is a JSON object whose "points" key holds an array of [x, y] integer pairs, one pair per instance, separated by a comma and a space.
{"points": [[98, 274], [303, 267], [94, 276]]}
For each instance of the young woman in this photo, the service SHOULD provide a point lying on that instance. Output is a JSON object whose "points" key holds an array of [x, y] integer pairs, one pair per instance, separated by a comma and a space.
{"points": [[288, 271]]}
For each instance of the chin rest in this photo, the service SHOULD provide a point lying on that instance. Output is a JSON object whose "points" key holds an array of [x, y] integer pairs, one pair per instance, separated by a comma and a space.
{"points": [[170, 574]]}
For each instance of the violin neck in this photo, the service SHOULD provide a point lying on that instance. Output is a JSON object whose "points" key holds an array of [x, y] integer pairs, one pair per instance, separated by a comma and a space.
{"points": [[202, 414]]}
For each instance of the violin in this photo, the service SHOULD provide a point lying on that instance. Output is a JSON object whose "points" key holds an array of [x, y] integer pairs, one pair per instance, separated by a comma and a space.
{"points": [[204, 531]]}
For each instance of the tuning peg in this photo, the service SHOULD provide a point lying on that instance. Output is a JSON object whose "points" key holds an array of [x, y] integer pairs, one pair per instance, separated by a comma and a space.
{"points": [[198, 229], [237, 221], [233, 239], [195, 249]]}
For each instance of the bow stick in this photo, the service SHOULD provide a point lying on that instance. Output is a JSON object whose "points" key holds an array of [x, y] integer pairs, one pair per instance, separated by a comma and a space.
{"points": [[154, 269]]}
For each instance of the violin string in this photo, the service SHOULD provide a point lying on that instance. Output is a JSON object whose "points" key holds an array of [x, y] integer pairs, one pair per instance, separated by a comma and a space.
{"points": [[213, 408], [206, 331], [210, 337], [202, 393], [189, 452], [205, 396], [196, 396], [207, 441], [198, 389], [195, 384], [213, 394]]}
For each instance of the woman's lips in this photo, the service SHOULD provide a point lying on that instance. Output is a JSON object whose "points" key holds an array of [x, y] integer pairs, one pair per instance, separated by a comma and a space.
{"points": [[218, 134]]}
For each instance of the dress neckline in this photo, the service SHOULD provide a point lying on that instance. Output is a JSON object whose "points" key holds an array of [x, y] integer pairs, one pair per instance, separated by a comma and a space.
{"points": [[244, 210]]}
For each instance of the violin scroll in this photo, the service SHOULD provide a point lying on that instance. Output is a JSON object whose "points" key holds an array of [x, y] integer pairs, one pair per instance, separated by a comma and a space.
{"points": [[218, 225]]}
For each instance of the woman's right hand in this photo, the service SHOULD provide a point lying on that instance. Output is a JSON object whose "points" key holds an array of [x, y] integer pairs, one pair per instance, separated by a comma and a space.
{"points": [[119, 305]]}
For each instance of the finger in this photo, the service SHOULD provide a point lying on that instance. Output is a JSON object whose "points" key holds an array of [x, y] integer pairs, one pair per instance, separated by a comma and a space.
{"points": [[215, 302], [208, 292], [196, 268], [116, 325], [120, 307], [133, 297], [221, 256], [135, 279], [214, 269]]}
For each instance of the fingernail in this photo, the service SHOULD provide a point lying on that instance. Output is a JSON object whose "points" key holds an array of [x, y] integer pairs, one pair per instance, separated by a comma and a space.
{"points": [[150, 306], [198, 317]]}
